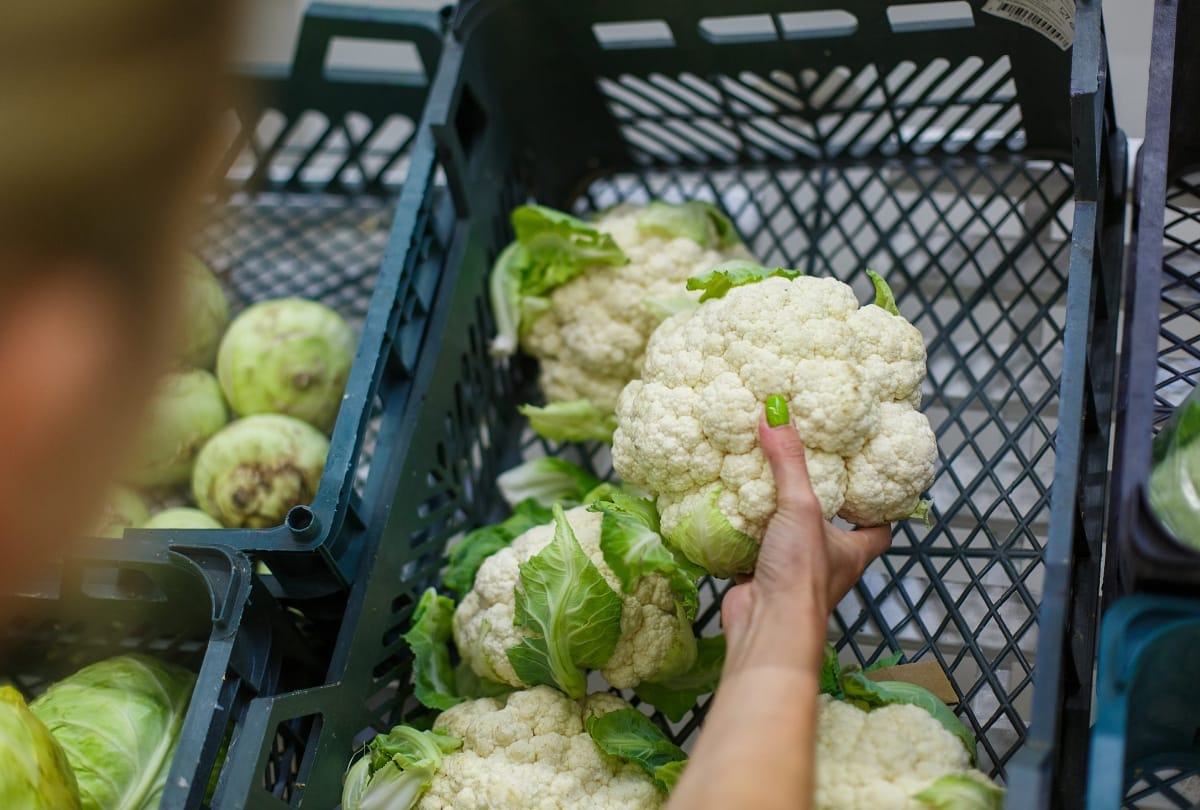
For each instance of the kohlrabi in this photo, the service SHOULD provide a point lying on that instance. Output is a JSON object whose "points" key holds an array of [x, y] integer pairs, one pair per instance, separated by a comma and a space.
{"points": [[205, 315], [124, 509], [188, 409], [256, 469], [182, 517], [287, 356]]}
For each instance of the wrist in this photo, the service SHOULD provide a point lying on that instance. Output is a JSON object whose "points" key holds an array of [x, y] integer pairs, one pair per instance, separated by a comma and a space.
{"points": [[780, 635]]}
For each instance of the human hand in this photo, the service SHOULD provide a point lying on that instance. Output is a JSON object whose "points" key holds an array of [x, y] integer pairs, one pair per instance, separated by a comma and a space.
{"points": [[805, 566]]}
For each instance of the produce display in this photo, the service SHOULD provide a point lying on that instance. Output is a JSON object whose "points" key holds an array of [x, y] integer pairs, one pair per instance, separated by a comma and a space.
{"points": [[181, 517], [1174, 486], [549, 607], [124, 509], [584, 297], [100, 739], [892, 744], [205, 313], [281, 366], [687, 429], [288, 356], [256, 469], [188, 409]]}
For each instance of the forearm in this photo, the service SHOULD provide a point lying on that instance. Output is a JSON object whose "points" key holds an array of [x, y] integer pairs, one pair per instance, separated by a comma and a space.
{"points": [[757, 746]]}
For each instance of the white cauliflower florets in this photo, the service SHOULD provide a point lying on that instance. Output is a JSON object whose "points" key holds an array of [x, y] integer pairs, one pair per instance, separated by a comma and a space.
{"points": [[851, 376], [531, 750], [591, 340], [654, 635], [882, 758]]}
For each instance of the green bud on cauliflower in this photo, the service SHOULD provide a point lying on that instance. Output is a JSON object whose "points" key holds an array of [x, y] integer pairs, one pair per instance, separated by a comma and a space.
{"points": [[124, 509], [256, 469], [288, 356], [687, 430], [549, 606], [584, 297], [182, 517], [188, 409], [205, 315]]}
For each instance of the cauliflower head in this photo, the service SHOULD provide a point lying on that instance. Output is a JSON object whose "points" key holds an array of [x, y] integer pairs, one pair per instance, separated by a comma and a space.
{"points": [[886, 758], [584, 297], [531, 750], [591, 340], [687, 430], [648, 633]]}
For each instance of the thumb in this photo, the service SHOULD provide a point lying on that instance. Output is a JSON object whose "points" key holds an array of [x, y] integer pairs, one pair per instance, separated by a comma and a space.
{"points": [[874, 540]]}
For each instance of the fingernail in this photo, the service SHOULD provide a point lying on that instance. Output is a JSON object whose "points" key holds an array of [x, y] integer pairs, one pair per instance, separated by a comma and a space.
{"points": [[777, 411]]}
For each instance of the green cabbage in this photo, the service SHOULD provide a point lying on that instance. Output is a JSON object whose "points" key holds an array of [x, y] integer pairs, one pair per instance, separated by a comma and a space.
{"points": [[34, 772], [119, 721]]}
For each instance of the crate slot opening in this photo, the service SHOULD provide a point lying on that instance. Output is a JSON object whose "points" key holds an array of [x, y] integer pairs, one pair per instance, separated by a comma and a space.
{"points": [[357, 59], [624, 35], [738, 28], [817, 24], [930, 16]]}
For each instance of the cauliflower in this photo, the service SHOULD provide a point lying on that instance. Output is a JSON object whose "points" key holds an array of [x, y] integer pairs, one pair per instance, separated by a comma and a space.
{"points": [[536, 749], [584, 298], [893, 745], [549, 606], [533, 751], [687, 430], [885, 758]]}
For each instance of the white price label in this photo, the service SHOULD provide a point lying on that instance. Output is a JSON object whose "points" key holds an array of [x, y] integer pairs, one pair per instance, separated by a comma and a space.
{"points": [[1053, 19]]}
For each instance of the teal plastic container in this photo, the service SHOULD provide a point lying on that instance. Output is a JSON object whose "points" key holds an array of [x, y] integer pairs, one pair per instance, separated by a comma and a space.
{"points": [[1146, 741]]}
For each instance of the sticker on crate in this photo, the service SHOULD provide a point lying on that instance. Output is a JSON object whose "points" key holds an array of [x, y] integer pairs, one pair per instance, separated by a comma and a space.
{"points": [[1053, 19]]}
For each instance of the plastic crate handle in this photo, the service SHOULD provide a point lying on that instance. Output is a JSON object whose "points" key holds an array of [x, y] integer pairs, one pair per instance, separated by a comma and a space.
{"points": [[324, 22]]}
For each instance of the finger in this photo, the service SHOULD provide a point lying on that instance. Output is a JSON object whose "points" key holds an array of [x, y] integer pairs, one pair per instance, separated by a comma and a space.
{"points": [[735, 611], [785, 451], [874, 541]]}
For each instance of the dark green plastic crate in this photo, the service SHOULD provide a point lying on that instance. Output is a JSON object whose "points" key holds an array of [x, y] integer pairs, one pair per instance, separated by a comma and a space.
{"points": [[316, 159], [1147, 733], [202, 609], [943, 159]]}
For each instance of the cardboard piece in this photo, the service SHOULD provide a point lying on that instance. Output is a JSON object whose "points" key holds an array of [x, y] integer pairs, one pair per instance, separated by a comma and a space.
{"points": [[928, 674]]}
